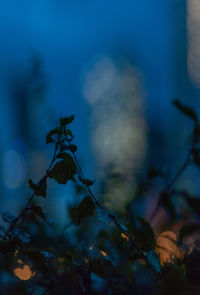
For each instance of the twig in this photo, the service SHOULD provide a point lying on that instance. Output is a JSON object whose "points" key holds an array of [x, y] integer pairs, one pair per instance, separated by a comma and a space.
{"points": [[170, 185], [13, 224], [111, 216]]}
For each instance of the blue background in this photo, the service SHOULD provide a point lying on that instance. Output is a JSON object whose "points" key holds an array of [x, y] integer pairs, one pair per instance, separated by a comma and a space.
{"points": [[65, 36]]}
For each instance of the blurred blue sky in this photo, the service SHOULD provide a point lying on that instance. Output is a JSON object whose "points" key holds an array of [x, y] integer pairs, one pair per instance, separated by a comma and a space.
{"points": [[67, 36]]}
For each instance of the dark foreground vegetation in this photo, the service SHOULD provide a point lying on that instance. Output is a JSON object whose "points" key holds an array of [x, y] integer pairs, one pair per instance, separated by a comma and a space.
{"points": [[118, 255]]}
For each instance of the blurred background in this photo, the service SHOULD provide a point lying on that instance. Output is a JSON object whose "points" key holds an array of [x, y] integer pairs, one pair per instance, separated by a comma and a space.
{"points": [[116, 66]]}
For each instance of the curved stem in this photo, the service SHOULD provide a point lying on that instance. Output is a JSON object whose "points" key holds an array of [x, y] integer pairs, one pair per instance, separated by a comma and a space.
{"points": [[13, 224], [170, 185], [111, 216], [179, 172]]}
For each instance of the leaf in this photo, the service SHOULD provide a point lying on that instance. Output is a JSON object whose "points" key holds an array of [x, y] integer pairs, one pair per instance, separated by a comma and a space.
{"points": [[144, 235], [83, 210], [86, 182], [194, 203], [40, 189], [196, 156], [66, 120], [49, 137], [72, 148], [186, 110], [196, 131], [165, 199], [154, 172], [64, 156], [187, 229], [80, 189], [37, 258], [101, 267], [64, 170], [68, 132], [7, 217], [38, 211], [86, 207]]}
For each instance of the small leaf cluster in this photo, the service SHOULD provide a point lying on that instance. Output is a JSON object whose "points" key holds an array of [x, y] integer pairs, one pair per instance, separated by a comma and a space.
{"points": [[99, 252]]}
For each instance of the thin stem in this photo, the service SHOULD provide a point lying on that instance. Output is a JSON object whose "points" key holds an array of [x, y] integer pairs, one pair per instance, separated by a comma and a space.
{"points": [[94, 198], [170, 185], [111, 216], [179, 172], [12, 226]]}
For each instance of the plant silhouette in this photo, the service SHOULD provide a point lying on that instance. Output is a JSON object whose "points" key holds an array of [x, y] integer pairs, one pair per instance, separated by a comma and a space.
{"points": [[106, 253]]}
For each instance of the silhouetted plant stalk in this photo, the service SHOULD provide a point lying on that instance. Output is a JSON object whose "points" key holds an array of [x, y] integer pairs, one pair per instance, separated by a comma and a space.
{"points": [[171, 184], [27, 207], [64, 166], [87, 183], [193, 154]]}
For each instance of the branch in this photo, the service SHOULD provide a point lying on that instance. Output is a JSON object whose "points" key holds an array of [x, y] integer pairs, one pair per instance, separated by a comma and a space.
{"points": [[44, 178], [171, 184], [111, 216]]}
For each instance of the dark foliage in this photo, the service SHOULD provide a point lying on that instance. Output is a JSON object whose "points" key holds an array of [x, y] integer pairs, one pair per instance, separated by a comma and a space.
{"points": [[119, 256]]}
